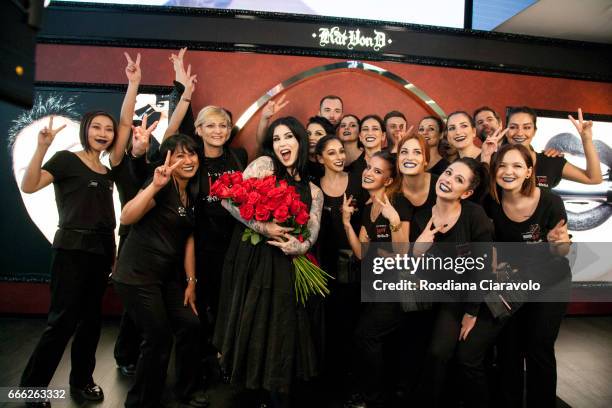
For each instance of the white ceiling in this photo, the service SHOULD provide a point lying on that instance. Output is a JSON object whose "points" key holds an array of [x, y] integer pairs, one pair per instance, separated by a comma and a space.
{"points": [[582, 20]]}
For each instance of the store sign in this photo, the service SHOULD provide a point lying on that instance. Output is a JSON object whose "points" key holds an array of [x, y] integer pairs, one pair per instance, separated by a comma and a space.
{"points": [[351, 39]]}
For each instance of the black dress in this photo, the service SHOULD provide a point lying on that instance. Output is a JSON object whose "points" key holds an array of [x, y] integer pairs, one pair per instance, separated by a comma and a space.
{"points": [[264, 336], [439, 167]]}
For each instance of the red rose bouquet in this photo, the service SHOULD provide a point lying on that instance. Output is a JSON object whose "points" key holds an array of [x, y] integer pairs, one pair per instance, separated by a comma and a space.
{"points": [[265, 200]]}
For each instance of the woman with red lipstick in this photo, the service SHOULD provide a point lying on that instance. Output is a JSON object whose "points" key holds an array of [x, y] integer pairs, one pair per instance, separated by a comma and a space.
{"points": [[264, 335], [431, 129], [348, 133], [523, 212]]}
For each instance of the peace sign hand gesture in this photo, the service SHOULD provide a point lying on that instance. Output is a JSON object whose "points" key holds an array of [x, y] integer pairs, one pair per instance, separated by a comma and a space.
{"points": [[132, 70], [491, 143], [164, 172], [180, 75], [272, 107], [584, 128], [559, 233], [47, 134], [347, 209], [426, 239], [191, 80], [387, 210], [141, 136]]}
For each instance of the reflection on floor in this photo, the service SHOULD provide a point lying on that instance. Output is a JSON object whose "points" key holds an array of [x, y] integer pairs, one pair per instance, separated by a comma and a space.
{"points": [[584, 358]]}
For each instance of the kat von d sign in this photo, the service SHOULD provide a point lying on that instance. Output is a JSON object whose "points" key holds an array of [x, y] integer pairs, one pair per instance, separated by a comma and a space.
{"points": [[351, 39]]}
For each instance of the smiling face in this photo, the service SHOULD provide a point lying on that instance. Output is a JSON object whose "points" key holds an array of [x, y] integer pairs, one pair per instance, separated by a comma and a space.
{"points": [[333, 156], [372, 135], [100, 133], [189, 166], [411, 158], [454, 183], [214, 131], [512, 171], [395, 129], [521, 129], [376, 175], [285, 146], [486, 123], [348, 130], [315, 132], [331, 109], [460, 133], [428, 128]]}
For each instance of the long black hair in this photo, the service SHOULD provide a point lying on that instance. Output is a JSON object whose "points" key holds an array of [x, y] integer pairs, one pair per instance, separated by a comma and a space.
{"points": [[299, 132], [188, 144], [480, 178]]}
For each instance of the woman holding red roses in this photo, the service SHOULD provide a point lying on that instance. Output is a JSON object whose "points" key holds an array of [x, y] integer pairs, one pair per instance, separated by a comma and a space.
{"points": [[263, 334]]}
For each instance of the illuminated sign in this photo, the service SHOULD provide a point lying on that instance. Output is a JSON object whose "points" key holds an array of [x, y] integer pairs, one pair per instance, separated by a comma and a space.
{"points": [[351, 39]]}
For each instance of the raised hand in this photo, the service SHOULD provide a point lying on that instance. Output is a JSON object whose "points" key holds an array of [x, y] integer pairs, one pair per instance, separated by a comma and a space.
{"points": [[491, 143], [132, 70], [180, 75], [550, 152], [272, 107], [163, 173], [559, 233], [190, 84], [429, 233], [387, 210], [141, 136], [347, 209], [584, 128], [47, 134]]}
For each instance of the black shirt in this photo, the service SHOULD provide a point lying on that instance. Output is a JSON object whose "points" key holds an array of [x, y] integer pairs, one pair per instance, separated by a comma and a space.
{"points": [[426, 206], [439, 167], [379, 230], [154, 249], [315, 172], [129, 178], [85, 205], [214, 223], [548, 170], [358, 166]]}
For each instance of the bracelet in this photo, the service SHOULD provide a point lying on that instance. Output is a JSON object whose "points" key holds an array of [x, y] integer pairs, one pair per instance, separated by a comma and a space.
{"points": [[190, 279], [395, 228], [186, 100]]}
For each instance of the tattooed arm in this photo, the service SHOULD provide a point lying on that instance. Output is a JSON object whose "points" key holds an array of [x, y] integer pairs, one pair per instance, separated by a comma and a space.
{"points": [[258, 168], [291, 246]]}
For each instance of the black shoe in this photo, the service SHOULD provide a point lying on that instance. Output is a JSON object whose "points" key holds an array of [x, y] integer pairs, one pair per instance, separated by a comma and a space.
{"points": [[40, 404], [128, 370], [90, 392]]}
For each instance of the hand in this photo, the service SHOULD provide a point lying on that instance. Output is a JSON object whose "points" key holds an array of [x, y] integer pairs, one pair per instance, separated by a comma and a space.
{"points": [[272, 108], [426, 239], [180, 75], [190, 85], [467, 324], [491, 143], [550, 152], [559, 233], [387, 210], [162, 174], [190, 297], [132, 70], [584, 128], [47, 134], [275, 231], [289, 245], [347, 209], [141, 136]]}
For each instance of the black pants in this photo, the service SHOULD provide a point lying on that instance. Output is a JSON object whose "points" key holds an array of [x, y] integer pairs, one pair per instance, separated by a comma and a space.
{"points": [[469, 357], [159, 313], [127, 346], [531, 334], [78, 282]]}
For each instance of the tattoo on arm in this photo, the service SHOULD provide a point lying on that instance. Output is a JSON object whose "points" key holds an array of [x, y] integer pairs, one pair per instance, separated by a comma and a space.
{"points": [[259, 168], [314, 222]]}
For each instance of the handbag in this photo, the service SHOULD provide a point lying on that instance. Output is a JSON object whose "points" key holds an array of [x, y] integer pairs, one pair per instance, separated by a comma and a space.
{"points": [[505, 303]]}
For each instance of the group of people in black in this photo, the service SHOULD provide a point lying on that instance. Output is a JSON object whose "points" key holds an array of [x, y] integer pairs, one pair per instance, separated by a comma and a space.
{"points": [[187, 278]]}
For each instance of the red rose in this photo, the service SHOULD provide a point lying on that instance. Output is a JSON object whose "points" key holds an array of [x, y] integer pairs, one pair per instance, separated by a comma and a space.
{"points": [[281, 213], [300, 238], [247, 211], [221, 192], [277, 192], [312, 258], [253, 198], [302, 217], [236, 178], [225, 179], [262, 213], [239, 194], [294, 207], [266, 184]]}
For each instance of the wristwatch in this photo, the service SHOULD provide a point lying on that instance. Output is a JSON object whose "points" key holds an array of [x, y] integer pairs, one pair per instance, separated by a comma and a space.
{"points": [[395, 228]]}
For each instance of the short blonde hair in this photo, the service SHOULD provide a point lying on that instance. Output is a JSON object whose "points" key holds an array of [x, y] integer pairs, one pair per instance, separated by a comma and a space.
{"points": [[212, 110]]}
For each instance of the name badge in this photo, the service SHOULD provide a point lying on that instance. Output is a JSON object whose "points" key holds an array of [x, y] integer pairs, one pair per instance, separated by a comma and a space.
{"points": [[542, 181]]}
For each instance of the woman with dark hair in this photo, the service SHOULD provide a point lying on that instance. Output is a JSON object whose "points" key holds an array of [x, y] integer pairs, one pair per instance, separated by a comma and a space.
{"points": [[336, 256], [463, 327], [316, 128], [550, 170], [381, 222], [372, 137], [348, 133], [263, 334], [460, 134], [149, 276], [523, 212], [431, 129]]}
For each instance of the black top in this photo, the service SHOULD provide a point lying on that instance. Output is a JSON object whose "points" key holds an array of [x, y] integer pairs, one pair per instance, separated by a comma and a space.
{"points": [[85, 205], [426, 206], [154, 249], [379, 230], [357, 166], [472, 226], [439, 167], [315, 172], [214, 224], [129, 177], [549, 211], [548, 170]]}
